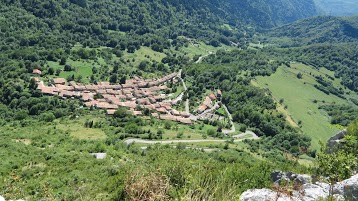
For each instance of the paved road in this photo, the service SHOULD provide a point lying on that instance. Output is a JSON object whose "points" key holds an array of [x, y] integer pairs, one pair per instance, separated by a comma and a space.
{"points": [[253, 135], [202, 57], [129, 141], [233, 129], [187, 106]]}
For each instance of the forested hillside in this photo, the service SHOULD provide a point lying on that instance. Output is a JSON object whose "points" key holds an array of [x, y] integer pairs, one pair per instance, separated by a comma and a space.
{"points": [[59, 145], [322, 29]]}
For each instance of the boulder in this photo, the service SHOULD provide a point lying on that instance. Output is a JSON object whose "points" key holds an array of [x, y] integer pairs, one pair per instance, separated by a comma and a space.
{"points": [[257, 195], [335, 140], [313, 192], [347, 188], [2, 198], [302, 179], [280, 177], [344, 190]]}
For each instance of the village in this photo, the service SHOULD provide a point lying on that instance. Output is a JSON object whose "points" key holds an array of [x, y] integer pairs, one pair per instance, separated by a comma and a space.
{"points": [[136, 95]]}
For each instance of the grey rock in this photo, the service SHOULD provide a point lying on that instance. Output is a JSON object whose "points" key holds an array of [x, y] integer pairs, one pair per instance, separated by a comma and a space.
{"points": [[348, 188], [344, 190], [257, 195], [99, 155], [285, 177], [314, 192], [302, 179], [335, 141]]}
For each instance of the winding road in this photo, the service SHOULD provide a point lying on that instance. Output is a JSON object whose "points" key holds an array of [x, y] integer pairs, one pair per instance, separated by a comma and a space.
{"points": [[129, 141], [233, 129], [202, 57]]}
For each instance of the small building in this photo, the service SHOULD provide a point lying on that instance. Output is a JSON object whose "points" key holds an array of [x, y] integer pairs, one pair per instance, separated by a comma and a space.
{"points": [[36, 72], [219, 93], [212, 97], [111, 112], [184, 120], [161, 110], [61, 81], [155, 115], [202, 108], [175, 112]]}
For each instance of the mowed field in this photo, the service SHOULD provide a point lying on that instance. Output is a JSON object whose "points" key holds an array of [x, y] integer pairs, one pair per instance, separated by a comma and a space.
{"points": [[299, 96]]}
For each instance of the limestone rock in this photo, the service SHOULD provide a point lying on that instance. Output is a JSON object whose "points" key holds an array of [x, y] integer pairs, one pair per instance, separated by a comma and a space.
{"points": [[2, 198], [302, 179], [313, 192], [335, 140], [257, 195], [282, 177], [348, 188]]}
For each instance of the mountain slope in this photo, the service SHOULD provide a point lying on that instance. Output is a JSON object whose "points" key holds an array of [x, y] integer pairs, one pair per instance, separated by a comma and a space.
{"points": [[338, 7], [320, 29]]}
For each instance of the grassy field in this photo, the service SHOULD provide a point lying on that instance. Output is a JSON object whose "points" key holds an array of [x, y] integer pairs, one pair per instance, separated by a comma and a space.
{"points": [[298, 95], [143, 54], [77, 130]]}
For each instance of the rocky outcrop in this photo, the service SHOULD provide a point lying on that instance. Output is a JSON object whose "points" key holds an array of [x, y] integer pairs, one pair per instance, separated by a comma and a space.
{"points": [[280, 177], [3, 199], [335, 140], [347, 188], [344, 190]]}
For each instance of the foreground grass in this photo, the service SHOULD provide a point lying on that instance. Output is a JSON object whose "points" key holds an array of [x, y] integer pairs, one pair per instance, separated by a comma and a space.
{"points": [[45, 161]]}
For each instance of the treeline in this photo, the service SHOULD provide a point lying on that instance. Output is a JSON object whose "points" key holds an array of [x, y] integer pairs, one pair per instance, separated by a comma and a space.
{"points": [[340, 114]]}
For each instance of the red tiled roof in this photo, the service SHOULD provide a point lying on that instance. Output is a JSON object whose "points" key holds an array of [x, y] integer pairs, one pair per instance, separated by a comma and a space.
{"points": [[212, 97], [37, 71], [111, 112], [168, 117], [161, 110], [59, 80], [202, 108], [184, 120]]}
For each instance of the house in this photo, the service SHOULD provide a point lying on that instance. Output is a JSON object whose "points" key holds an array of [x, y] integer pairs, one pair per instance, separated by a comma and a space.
{"points": [[168, 117], [208, 102], [155, 115], [36, 72], [184, 120], [61, 81], [137, 113], [111, 112], [161, 110], [105, 105], [185, 114], [202, 108], [212, 97], [175, 112], [219, 93]]}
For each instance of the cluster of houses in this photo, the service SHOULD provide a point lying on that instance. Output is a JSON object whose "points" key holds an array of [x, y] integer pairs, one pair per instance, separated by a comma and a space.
{"points": [[136, 94], [209, 102]]}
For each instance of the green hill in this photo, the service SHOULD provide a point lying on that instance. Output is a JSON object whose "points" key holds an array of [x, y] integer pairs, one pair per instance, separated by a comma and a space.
{"points": [[322, 29]]}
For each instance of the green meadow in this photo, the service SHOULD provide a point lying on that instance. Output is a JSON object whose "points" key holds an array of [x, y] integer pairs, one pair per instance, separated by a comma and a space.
{"points": [[299, 96]]}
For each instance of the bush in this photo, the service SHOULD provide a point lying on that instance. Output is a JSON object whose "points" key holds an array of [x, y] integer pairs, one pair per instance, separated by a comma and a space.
{"points": [[47, 117], [243, 128]]}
